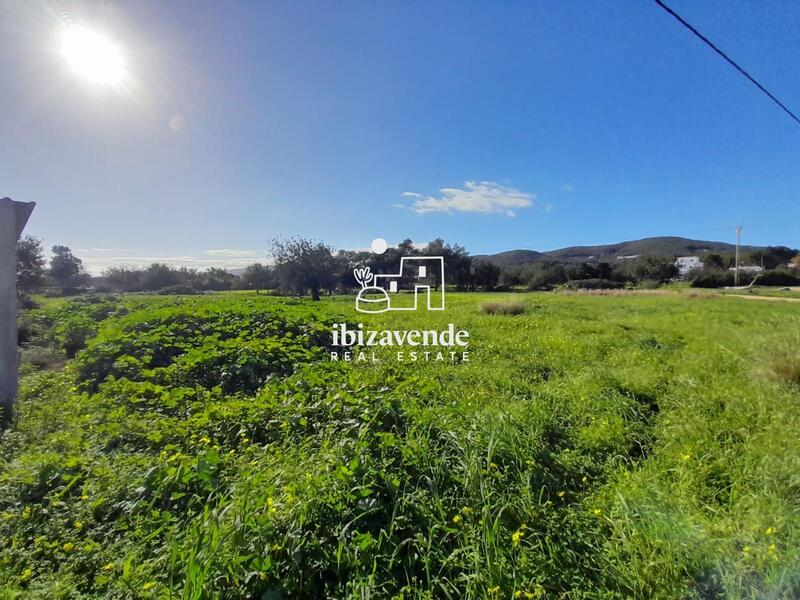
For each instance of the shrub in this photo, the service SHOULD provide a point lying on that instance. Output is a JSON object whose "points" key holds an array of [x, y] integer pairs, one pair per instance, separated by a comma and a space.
{"points": [[512, 307], [25, 302], [594, 284], [238, 348], [43, 358], [779, 277], [178, 289], [786, 365], [649, 284], [73, 333], [712, 278]]}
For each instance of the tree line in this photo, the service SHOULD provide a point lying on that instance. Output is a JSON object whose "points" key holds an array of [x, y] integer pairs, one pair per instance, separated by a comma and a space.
{"points": [[307, 267]]}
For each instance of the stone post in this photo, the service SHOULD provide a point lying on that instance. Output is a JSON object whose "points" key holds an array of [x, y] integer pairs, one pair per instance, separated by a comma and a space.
{"points": [[13, 216]]}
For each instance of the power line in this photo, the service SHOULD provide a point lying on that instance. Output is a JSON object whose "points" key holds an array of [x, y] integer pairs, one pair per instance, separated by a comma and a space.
{"points": [[727, 58]]}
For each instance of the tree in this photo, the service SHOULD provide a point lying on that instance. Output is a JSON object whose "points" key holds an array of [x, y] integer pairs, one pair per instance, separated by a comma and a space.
{"points": [[714, 261], [510, 277], [770, 257], [123, 278], [30, 264], [65, 268], [159, 276], [457, 261], [545, 275], [218, 279], [256, 277], [406, 247], [485, 274], [652, 268], [303, 265], [795, 262]]}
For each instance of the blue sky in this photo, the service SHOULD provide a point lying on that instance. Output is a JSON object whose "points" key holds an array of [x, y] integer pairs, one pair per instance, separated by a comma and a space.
{"points": [[495, 125]]}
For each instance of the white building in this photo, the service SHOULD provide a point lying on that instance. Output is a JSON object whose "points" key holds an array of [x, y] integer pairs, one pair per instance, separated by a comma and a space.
{"points": [[686, 264], [748, 269]]}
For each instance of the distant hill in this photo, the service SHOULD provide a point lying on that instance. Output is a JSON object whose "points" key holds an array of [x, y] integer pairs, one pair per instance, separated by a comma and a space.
{"points": [[655, 246], [513, 258]]}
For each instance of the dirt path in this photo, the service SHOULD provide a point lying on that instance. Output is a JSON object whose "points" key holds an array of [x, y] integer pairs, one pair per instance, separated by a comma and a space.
{"points": [[765, 298]]}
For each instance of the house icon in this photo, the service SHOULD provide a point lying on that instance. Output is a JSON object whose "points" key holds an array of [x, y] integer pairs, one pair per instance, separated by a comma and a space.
{"points": [[424, 275]]}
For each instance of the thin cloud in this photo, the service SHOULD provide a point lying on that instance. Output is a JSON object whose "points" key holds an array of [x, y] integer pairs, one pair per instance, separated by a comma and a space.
{"points": [[231, 253], [97, 264], [475, 197], [568, 188], [103, 250]]}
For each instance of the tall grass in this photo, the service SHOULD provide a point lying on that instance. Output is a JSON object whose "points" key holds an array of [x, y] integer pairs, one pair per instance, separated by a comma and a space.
{"points": [[510, 307]]}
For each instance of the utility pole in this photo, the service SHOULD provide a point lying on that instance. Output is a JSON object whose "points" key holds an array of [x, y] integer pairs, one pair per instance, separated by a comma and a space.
{"points": [[13, 216], [738, 239]]}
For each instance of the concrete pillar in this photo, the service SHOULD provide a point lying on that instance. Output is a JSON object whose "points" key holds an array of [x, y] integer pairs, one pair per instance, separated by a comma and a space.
{"points": [[13, 216]]}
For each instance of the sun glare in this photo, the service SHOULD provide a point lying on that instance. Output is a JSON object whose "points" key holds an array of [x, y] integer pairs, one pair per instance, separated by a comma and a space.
{"points": [[93, 56]]}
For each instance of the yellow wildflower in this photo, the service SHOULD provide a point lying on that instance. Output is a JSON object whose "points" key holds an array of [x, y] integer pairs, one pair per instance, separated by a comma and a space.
{"points": [[517, 536], [148, 586], [772, 548], [597, 512], [26, 513], [584, 479], [78, 525], [457, 520], [561, 494], [687, 456], [494, 590], [746, 549], [466, 510], [68, 547], [108, 566], [770, 530], [84, 497]]}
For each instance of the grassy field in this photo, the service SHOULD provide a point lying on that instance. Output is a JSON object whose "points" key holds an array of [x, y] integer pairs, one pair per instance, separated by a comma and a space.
{"points": [[594, 446]]}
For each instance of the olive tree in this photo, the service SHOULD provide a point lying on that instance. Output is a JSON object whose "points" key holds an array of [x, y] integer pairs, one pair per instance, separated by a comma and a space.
{"points": [[304, 266]]}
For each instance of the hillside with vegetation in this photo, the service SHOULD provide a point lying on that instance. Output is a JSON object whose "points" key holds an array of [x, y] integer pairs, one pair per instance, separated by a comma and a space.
{"points": [[669, 246]]}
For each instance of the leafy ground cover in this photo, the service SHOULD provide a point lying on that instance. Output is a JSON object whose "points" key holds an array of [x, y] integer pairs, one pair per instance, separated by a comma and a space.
{"points": [[591, 447]]}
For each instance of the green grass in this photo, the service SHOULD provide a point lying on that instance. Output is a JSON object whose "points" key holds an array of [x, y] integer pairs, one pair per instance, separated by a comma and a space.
{"points": [[596, 446]]}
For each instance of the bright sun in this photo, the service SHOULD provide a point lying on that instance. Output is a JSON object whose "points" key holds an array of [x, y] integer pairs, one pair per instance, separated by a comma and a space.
{"points": [[93, 56]]}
